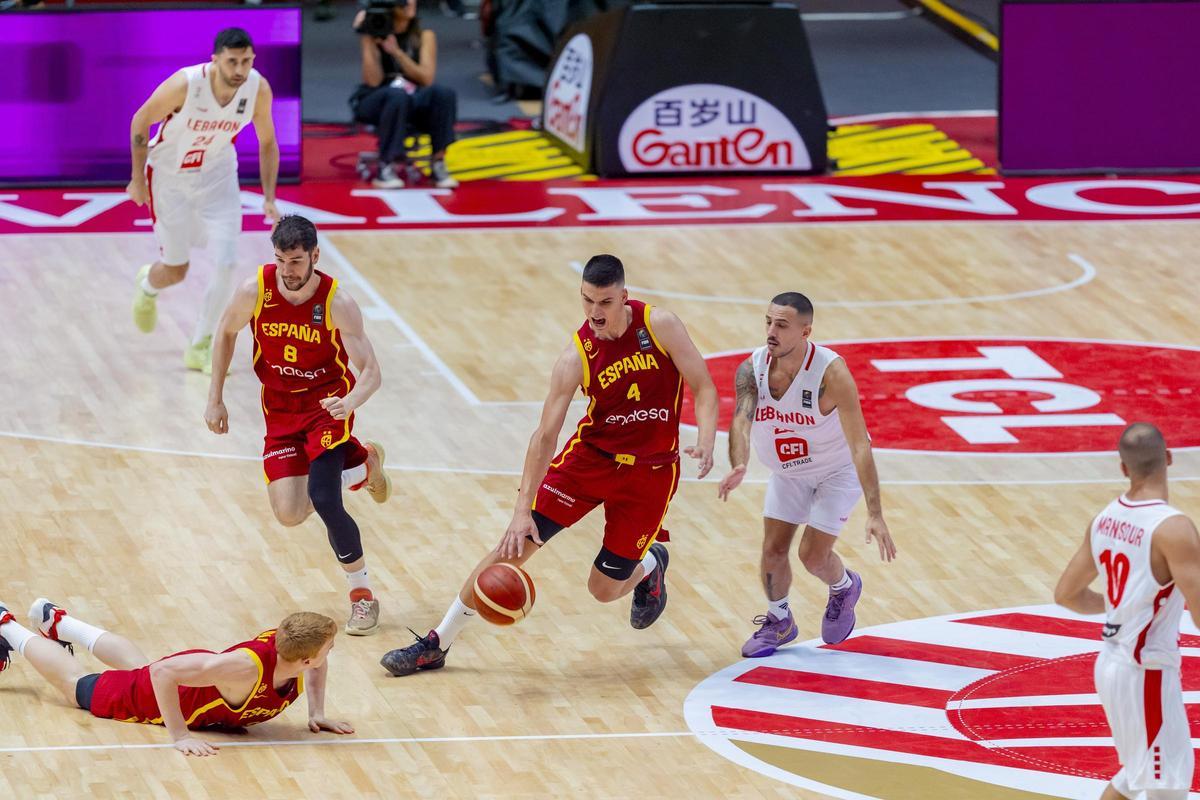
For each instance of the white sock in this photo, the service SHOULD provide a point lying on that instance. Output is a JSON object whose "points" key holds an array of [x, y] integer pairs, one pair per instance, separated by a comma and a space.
{"points": [[358, 580], [147, 288], [17, 635], [76, 631], [457, 617], [216, 297], [354, 476], [843, 584], [648, 564], [778, 608]]}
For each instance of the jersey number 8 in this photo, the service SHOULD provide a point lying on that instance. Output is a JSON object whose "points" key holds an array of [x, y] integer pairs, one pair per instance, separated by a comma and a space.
{"points": [[289, 353]]}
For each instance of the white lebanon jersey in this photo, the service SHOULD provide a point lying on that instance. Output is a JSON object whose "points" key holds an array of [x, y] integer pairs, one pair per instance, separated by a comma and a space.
{"points": [[1142, 617], [199, 136], [791, 435]]}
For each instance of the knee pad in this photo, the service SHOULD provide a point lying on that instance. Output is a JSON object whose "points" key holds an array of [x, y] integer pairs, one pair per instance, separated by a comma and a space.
{"points": [[614, 566]]}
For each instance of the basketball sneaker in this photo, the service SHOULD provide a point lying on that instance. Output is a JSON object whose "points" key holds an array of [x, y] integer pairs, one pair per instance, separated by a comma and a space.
{"points": [[839, 611], [388, 178], [425, 653], [650, 595], [442, 178], [773, 634], [378, 484], [44, 617], [364, 617], [198, 356], [5, 648], [145, 306]]}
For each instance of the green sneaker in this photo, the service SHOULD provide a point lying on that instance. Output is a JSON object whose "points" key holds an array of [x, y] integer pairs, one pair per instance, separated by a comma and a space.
{"points": [[145, 306], [198, 356]]}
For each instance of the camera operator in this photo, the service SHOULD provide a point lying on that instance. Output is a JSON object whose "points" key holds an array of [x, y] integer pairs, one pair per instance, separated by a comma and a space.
{"points": [[399, 62]]}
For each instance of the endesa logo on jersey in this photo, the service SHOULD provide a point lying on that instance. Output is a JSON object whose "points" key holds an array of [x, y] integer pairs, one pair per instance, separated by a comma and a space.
{"points": [[707, 127], [1010, 395], [568, 93]]}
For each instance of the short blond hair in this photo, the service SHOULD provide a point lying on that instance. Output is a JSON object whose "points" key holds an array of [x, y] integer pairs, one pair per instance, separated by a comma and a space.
{"points": [[303, 634]]}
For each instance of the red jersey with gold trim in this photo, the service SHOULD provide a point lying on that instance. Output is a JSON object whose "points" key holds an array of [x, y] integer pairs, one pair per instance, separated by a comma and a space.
{"points": [[297, 348], [128, 695], [635, 390]]}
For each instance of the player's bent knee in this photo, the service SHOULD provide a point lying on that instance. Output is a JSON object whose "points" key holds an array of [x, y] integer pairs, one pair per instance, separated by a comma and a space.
{"points": [[617, 569], [603, 589], [290, 518]]}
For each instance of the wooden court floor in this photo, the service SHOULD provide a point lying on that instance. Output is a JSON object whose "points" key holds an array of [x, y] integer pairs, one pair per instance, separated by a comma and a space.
{"points": [[121, 506]]}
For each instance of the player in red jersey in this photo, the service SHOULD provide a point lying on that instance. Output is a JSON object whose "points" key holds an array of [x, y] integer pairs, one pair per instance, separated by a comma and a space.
{"points": [[244, 685], [631, 361], [306, 335]]}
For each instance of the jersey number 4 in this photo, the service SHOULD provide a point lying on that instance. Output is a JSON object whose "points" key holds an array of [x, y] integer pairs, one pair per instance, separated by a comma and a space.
{"points": [[634, 393], [1116, 568]]}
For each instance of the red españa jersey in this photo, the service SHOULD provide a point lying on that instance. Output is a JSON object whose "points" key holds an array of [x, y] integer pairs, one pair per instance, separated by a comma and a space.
{"points": [[634, 387], [297, 348], [128, 695]]}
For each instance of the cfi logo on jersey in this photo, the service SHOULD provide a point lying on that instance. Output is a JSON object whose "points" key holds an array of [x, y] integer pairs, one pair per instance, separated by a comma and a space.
{"points": [[326, 439], [267, 297], [318, 314], [241, 109], [587, 345]]}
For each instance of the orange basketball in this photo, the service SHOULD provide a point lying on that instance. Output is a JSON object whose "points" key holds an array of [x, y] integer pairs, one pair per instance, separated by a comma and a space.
{"points": [[504, 594]]}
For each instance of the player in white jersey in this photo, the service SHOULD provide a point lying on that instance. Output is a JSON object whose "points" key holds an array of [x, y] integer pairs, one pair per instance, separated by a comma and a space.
{"points": [[1149, 554], [188, 175], [798, 403]]}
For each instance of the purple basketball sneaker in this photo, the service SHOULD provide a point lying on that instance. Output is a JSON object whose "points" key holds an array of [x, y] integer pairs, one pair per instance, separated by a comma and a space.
{"points": [[839, 611], [773, 634]]}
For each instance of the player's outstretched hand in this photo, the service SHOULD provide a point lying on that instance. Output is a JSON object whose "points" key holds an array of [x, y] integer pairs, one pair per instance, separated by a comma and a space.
{"points": [[318, 724], [217, 418], [338, 407], [513, 543], [703, 456], [731, 481], [138, 191], [877, 529], [196, 747]]}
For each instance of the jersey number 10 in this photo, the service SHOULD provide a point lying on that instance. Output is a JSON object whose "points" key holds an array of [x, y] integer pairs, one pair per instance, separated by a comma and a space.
{"points": [[1116, 568]]}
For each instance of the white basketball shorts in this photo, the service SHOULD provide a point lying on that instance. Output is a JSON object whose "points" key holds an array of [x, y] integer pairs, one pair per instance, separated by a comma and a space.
{"points": [[822, 501], [190, 210], [1149, 725]]}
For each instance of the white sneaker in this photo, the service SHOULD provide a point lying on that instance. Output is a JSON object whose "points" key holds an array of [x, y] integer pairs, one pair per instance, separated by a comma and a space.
{"points": [[387, 178], [441, 176]]}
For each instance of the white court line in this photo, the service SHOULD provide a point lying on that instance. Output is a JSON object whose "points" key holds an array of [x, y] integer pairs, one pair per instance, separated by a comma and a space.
{"points": [[516, 473], [384, 310], [1089, 272], [345, 741]]}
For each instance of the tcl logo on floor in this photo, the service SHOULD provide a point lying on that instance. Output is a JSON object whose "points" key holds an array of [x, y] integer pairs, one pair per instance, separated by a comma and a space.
{"points": [[1011, 395]]}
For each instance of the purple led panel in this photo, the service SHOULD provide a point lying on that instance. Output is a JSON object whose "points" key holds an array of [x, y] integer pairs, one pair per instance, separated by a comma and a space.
{"points": [[72, 81]]}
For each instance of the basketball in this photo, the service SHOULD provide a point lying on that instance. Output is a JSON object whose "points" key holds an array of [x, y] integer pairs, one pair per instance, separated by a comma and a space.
{"points": [[504, 594]]}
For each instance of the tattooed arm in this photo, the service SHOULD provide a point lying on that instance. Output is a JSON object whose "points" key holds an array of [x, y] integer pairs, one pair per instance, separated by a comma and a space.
{"points": [[739, 431], [167, 98]]}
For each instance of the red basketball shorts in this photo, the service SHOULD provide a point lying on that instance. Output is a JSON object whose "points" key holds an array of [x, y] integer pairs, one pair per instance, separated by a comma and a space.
{"points": [[635, 497], [299, 430]]}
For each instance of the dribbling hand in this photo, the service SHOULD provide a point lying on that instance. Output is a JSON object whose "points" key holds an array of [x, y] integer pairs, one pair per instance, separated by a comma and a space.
{"points": [[731, 481], [513, 543], [138, 192], [217, 418], [703, 456], [196, 747]]}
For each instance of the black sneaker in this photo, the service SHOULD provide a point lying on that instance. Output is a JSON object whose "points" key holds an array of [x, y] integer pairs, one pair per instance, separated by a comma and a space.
{"points": [[5, 647], [425, 653], [650, 595]]}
